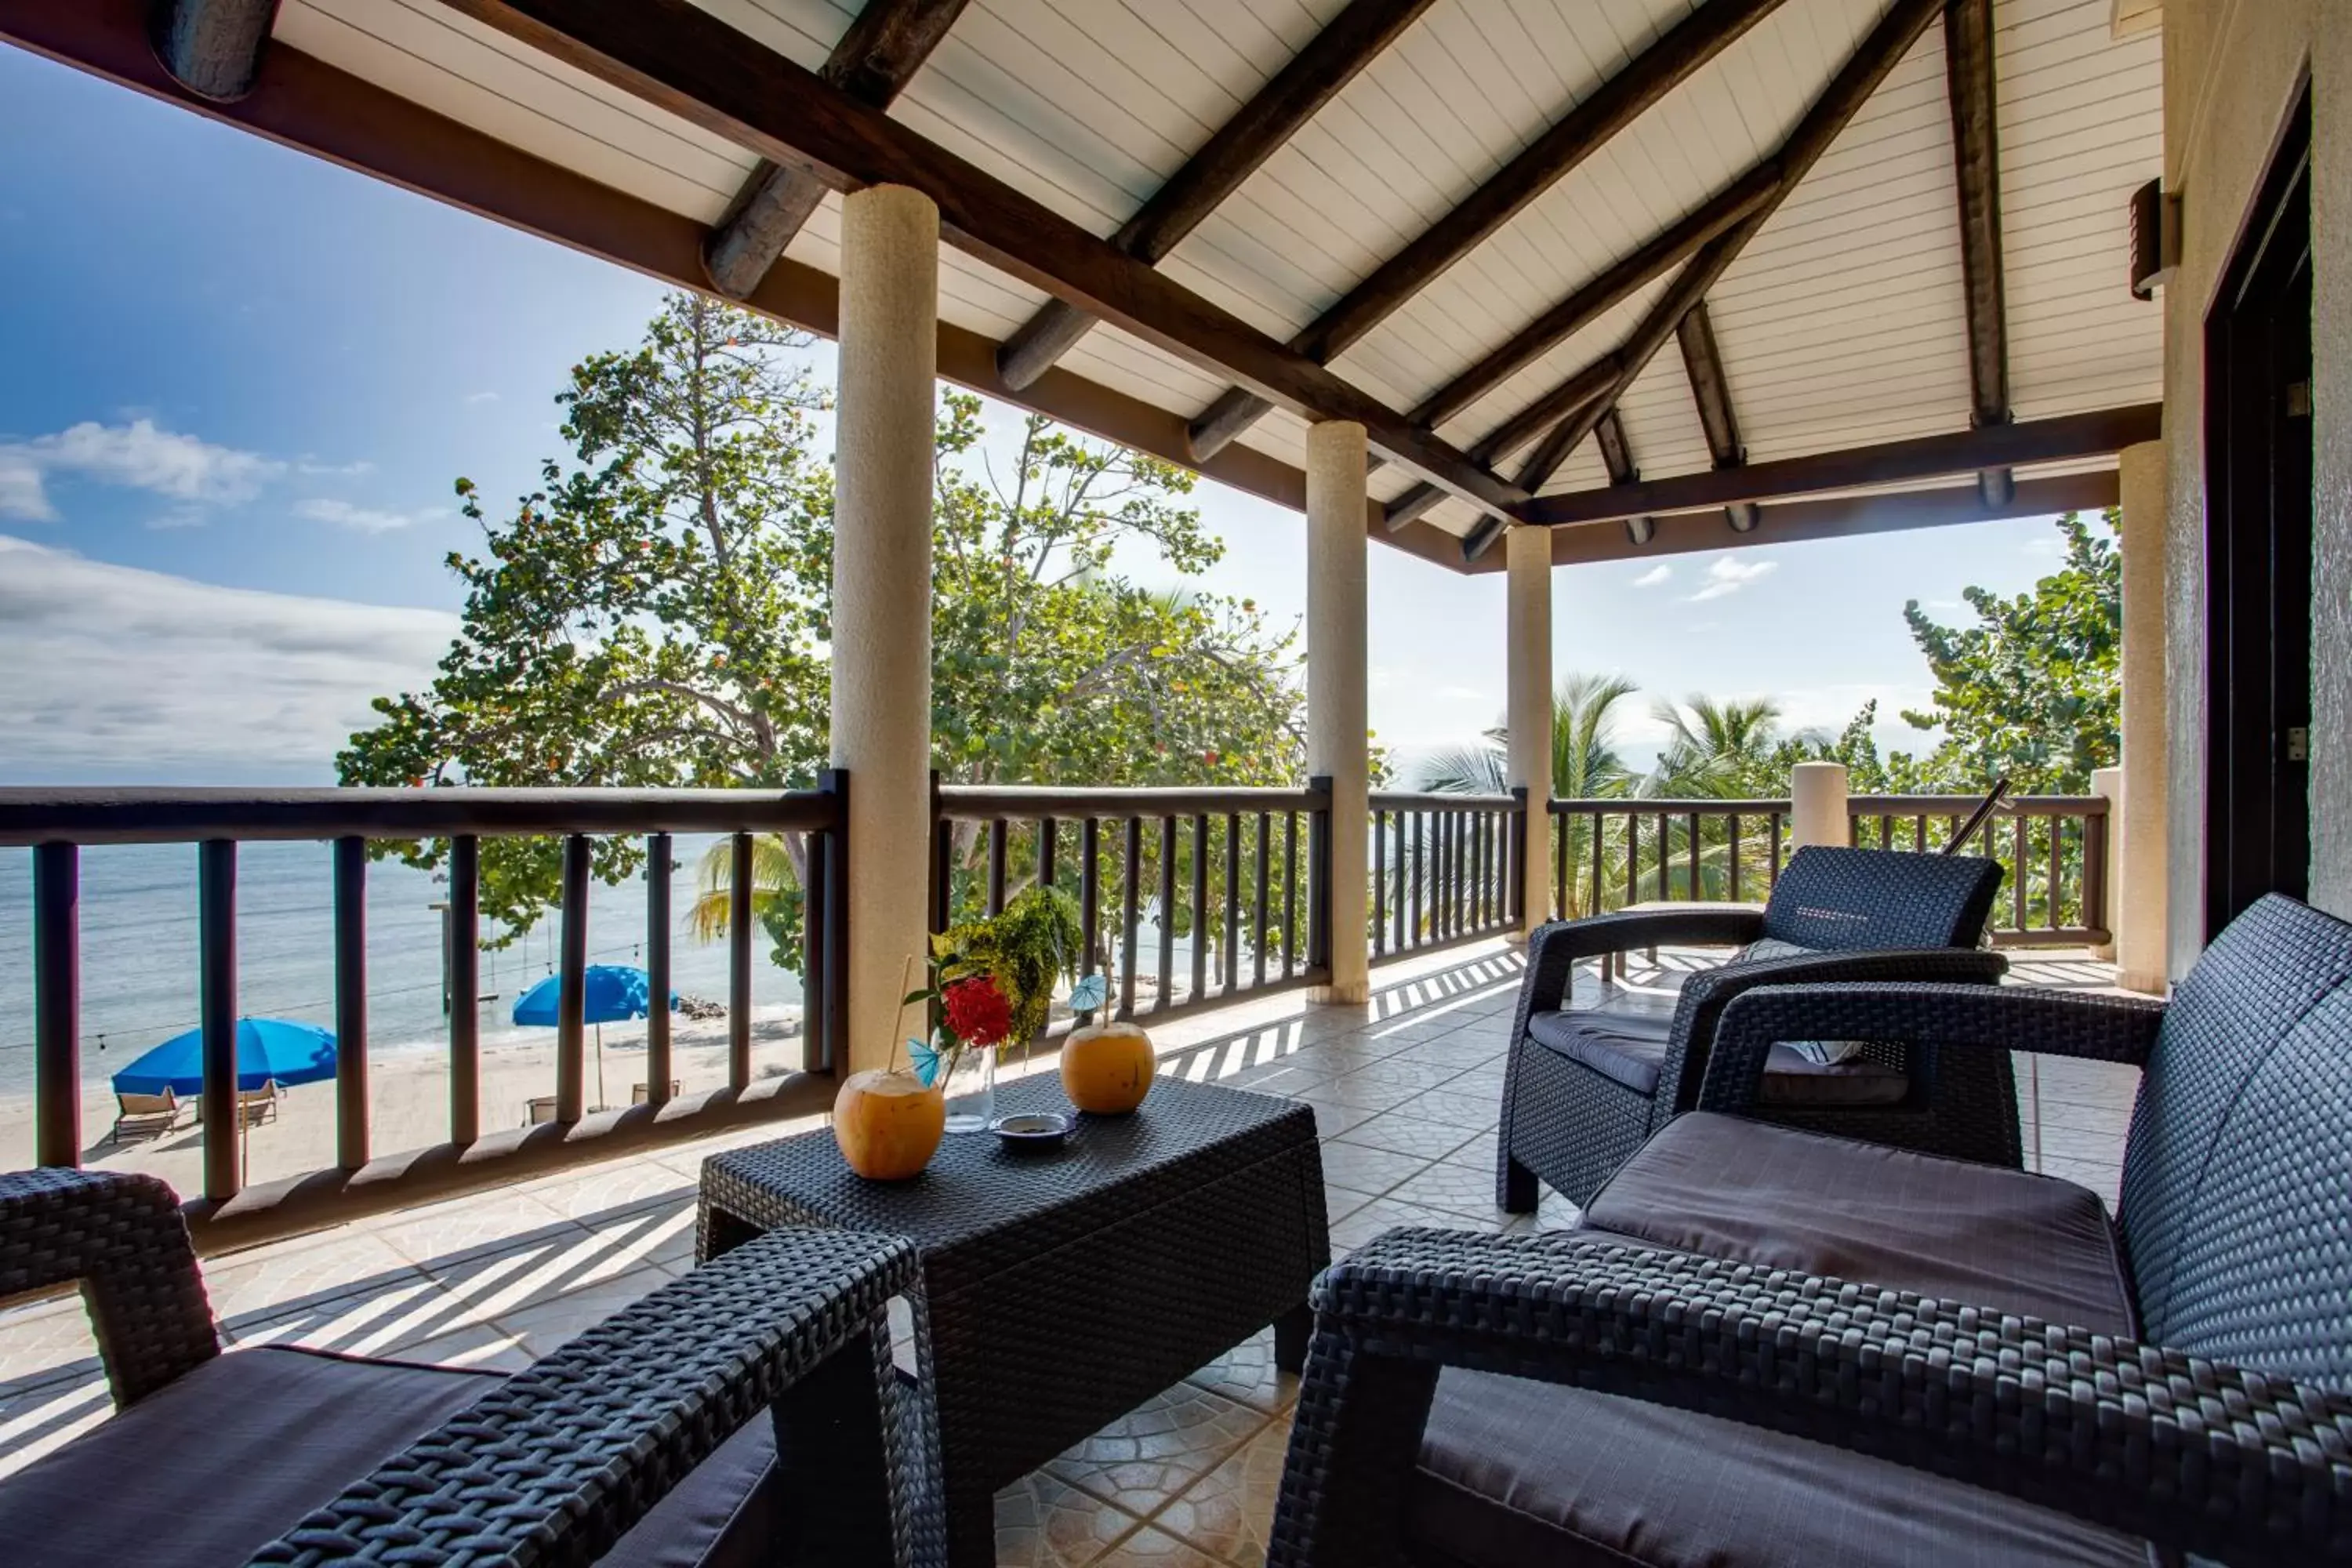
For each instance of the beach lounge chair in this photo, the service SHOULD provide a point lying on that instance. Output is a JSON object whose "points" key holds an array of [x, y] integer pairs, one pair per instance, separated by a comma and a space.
{"points": [[145, 1115], [652, 1438], [254, 1106]]}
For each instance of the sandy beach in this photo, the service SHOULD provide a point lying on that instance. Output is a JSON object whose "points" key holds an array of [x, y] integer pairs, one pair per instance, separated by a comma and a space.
{"points": [[409, 1096]]}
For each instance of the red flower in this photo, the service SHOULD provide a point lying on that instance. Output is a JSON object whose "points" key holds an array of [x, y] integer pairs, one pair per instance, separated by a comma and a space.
{"points": [[977, 1011]]}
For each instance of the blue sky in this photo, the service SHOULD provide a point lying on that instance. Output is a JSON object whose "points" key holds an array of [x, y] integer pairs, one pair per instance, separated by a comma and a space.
{"points": [[235, 384]]}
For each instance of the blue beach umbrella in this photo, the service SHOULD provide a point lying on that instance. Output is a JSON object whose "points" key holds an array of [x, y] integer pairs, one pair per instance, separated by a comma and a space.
{"points": [[612, 992], [266, 1048]]}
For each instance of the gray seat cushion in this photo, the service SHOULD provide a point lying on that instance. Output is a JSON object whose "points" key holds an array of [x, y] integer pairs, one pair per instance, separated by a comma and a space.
{"points": [[234, 1454], [1625, 1040], [1726, 1188], [1515, 1472]]}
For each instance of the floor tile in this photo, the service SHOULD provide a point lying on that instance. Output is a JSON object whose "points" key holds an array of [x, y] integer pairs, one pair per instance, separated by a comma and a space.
{"points": [[1368, 1095], [1156, 1548], [1229, 1512], [1459, 1189], [46, 1342], [1478, 1153], [1401, 1134], [544, 1326], [468, 1227], [617, 1188], [1248, 1375], [1407, 1074], [1366, 1169], [1385, 1215], [1332, 1118], [345, 1262], [483, 1347], [378, 1323], [39, 1421], [1159, 1449], [1340, 1201], [1042, 1523], [1471, 1112]]}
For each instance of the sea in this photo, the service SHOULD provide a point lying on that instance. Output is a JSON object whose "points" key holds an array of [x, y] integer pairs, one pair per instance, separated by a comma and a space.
{"points": [[139, 952]]}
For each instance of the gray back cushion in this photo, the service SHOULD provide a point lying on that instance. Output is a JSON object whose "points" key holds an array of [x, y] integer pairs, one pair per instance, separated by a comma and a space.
{"points": [[1842, 901], [2237, 1190]]}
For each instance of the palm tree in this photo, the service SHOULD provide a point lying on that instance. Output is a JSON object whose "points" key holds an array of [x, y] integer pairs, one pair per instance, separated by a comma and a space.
{"points": [[1720, 750], [1585, 764], [776, 862]]}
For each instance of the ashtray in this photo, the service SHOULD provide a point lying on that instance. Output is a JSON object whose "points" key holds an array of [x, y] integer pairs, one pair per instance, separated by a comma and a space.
{"points": [[1032, 1129]]}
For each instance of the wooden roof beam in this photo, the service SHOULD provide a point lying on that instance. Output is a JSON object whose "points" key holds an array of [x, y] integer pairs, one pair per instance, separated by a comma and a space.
{"points": [[1612, 106], [679, 58], [1976, 165], [1348, 43], [2066, 438], [211, 48], [883, 46], [1711, 389], [1838, 102], [1617, 457]]}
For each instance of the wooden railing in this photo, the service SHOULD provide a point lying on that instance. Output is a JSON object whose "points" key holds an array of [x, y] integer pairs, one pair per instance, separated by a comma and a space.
{"points": [[58, 824], [1236, 876], [1608, 853], [1445, 868]]}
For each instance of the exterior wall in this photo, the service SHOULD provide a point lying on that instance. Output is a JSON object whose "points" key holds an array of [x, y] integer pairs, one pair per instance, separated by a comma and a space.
{"points": [[2232, 69]]}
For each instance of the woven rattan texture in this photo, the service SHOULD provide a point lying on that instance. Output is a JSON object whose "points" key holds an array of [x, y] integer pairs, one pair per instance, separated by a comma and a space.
{"points": [[1836, 899], [121, 1239], [2202, 1457], [1068, 1286], [554, 1465]]}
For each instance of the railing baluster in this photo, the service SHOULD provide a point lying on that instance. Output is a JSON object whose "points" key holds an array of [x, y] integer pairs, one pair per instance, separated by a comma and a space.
{"points": [[1289, 894], [57, 1002], [1200, 906], [816, 892], [996, 866], [740, 921], [1665, 853], [1596, 867], [657, 985], [1886, 831], [1734, 832], [1047, 831], [1380, 884], [1561, 828], [1919, 833], [836, 782], [217, 1006], [1165, 997], [942, 874], [572, 993], [1090, 889], [464, 963], [1258, 945], [1418, 834], [1441, 914], [1130, 872], [1632, 859], [1772, 862], [2018, 872], [1233, 952], [1691, 828], [2057, 841], [351, 1004]]}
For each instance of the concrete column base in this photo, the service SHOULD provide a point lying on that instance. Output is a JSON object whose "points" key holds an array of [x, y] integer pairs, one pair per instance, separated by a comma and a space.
{"points": [[1355, 994]]}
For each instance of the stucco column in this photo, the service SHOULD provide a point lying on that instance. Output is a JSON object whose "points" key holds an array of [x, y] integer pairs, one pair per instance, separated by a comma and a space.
{"points": [[1527, 707], [2107, 783], [2139, 837], [882, 591], [1338, 720], [1817, 802]]}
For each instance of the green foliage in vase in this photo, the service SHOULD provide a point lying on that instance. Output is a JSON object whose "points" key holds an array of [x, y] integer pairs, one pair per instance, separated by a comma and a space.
{"points": [[1027, 949]]}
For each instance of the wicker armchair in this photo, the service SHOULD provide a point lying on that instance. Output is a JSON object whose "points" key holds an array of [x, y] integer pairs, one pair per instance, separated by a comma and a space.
{"points": [[2020, 1380], [635, 1442], [1587, 1084]]}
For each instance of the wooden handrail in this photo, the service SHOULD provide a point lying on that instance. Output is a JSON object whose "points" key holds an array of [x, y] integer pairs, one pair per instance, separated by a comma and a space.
{"points": [[169, 815]]}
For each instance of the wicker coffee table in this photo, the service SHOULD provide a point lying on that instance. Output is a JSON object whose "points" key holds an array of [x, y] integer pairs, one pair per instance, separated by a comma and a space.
{"points": [[1068, 1286]]}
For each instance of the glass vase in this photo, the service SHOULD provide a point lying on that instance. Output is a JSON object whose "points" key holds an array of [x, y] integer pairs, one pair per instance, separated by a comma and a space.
{"points": [[970, 1089]]}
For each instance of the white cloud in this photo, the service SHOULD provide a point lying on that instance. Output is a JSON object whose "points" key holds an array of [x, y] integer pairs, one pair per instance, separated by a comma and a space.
{"points": [[1727, 576], [481, 397], [149, 677], [359, 518], [1654, 577], [335, 470], [136, 456]]}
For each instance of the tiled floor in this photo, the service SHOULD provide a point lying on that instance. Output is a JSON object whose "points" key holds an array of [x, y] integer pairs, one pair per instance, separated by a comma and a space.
{"points": [[1405, 1091]]}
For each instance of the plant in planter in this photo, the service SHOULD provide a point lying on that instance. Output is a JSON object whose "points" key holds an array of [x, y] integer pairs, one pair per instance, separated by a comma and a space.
{"points": [[992, 980]]}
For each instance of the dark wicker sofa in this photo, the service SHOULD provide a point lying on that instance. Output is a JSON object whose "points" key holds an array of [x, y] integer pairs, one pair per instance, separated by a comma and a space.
{"points": [[1591, 1079], [1768, 1346], [640, 1442]]}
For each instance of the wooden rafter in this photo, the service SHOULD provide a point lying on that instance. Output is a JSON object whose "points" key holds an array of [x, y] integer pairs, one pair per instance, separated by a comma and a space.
{"points": [[1615, 105], [213, 47], [1617, 457], [1975, 168], [2062, 439], [1348, 43], [879, 54], [1837, 517], [1522, 427], [1711, 390], [677, 56], [1878, 54]]}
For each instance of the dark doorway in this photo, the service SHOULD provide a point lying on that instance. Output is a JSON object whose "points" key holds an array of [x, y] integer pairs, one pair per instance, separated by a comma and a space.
{"points": [[2258, 441]]}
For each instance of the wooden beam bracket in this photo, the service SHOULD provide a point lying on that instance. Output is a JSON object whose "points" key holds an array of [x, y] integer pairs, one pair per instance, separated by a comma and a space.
{"points": [[213, 47]]}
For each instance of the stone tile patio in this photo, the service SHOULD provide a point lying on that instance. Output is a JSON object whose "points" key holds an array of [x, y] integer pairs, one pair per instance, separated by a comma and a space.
{"points": [[1406, 1092]]}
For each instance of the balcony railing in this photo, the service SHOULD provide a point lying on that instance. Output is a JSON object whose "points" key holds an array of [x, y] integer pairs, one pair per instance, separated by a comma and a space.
{"points": [[58, 824], [1445, 868], [2053, 850], [1233, 875]]}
